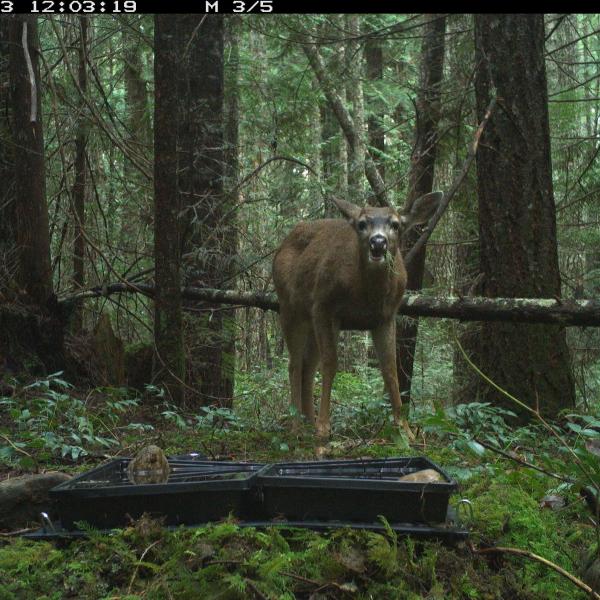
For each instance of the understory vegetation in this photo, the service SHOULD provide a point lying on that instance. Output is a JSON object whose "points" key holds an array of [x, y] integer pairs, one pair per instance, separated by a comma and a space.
{"points": [[47, 424]]}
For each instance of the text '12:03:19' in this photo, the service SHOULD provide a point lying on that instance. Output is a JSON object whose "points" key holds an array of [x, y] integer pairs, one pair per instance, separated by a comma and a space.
{"points": [[83, 6]]}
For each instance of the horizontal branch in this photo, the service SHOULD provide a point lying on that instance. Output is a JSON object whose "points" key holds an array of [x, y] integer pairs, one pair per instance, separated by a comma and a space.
{"points": [[518, 310]]}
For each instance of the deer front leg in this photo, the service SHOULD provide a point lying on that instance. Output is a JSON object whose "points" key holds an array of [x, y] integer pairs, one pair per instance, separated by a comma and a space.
{"points": [[309, 368], [295, 333], [326, 332], [384, 340]]}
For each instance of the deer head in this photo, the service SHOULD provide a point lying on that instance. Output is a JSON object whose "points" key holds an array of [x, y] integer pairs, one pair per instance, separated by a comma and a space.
{"points": [[380, 229]]}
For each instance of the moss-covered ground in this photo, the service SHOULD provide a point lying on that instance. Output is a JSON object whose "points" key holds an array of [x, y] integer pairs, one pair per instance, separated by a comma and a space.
{"points": [[52, 425]]}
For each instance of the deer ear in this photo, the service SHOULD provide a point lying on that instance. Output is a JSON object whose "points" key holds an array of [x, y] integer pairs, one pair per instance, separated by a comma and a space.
{"points": [[422, 209], [349, 210]]}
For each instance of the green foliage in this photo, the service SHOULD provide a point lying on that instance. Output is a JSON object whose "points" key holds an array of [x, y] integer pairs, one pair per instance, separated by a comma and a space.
{"points": [[49, 420], [224, 560]]}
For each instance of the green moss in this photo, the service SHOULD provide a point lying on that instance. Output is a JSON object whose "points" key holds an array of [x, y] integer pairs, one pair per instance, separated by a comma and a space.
{"points": [[225, 561], [28, 568], [508, 513]]}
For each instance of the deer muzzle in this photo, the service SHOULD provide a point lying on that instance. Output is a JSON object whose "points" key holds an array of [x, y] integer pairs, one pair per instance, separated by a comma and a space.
{"points": [[377, 248]]}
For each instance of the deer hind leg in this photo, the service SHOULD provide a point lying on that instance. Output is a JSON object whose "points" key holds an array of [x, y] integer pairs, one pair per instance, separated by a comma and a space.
{"points": [[326, 334], [384, 340], [295, 333], [309, 368]]}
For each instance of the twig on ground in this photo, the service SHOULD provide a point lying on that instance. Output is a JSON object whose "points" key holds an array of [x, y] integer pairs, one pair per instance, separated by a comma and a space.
{"points": [[526, 553]]}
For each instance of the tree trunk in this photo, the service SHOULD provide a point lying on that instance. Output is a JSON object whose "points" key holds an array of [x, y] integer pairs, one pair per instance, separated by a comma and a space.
{"points": [[465, 256], [517, 217], [354, 94], [336, 103], [329, 154], [232, 196], [79, 187], [170, 358], [136, 93], [139, 129], [8, 246], [34, 274], [201, 168], [374, 60], [332, 143], [421, 179], [31, 338]]}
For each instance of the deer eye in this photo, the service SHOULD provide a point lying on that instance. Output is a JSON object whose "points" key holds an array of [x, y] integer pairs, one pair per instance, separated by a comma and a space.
{"points": [[395, 225], [362, 225]]}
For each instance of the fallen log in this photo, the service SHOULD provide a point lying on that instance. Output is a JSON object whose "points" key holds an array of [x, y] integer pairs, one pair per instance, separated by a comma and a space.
{"points": [[570, 313], [23, 498]]}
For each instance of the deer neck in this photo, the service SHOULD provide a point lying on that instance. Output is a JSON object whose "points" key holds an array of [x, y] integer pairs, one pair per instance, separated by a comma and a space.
{"points": [[379, 280]]}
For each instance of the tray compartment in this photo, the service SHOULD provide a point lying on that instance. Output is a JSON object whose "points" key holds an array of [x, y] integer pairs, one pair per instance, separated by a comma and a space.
{"points": [[354, 490], [196, 492]]}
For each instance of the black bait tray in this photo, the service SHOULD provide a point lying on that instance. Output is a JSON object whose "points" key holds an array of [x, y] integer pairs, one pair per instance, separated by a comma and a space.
{"points": [[197, 491], [354, 490]]}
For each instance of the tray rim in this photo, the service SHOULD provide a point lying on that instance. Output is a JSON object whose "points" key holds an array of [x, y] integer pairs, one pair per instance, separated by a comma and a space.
{"points": [[266, 479], [64, 490]]}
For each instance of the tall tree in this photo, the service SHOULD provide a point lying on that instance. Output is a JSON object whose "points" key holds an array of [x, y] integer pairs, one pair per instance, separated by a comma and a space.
{"points": [[35, 344], [139, 129], [354, 70], [375, 128], [32, 234], [421, 177], [232, 196], [201, 175], [79, 186], [136, 92], [8, 247], [517, 216], [168, 338], [333, 146]]}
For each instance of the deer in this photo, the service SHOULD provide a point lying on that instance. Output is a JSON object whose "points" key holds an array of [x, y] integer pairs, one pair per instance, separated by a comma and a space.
{"points": [[343, 274]]}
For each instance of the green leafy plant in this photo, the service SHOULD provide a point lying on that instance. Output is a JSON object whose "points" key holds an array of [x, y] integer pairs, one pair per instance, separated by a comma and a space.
{"points": [[50, 421]]}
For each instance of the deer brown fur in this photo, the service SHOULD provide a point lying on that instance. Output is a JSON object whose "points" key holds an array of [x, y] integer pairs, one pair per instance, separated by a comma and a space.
{"points": [[335, 274]]}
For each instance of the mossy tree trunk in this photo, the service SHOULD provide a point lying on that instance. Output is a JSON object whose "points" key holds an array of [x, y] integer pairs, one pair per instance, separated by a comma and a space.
{"points": [[79, 186], [31, 327], [517, 216], [232, 194], [201, 162], [139, 126], [375, 124], [8, 245], [34, 274], [354, 69], [421, 178], [168, 337]]}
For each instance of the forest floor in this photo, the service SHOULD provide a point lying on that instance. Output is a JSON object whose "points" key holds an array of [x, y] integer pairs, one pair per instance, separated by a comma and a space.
{"points": [[49, 425]]}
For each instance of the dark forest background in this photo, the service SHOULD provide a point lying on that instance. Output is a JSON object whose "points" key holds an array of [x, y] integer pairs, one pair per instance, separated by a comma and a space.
{"points": [[179, 150]]}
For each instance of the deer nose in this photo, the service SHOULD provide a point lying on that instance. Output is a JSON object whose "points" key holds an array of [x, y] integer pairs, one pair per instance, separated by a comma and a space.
{"points": [[378, 243]]}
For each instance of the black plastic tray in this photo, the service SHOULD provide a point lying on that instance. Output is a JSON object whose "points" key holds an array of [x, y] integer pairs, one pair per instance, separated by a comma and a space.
{"points": [[353, 490], [196, 492]]}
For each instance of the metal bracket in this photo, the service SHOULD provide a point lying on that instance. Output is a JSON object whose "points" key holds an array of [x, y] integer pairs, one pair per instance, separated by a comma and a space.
{"points": [[464, 504], [47, 522]]}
